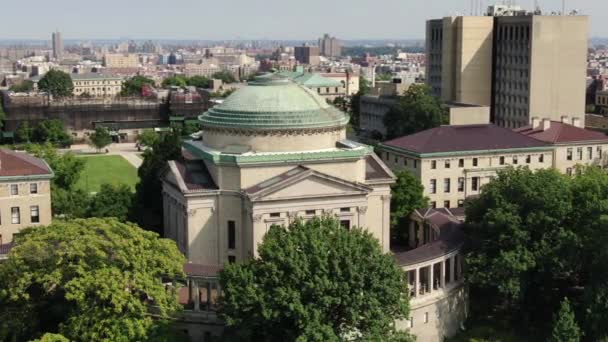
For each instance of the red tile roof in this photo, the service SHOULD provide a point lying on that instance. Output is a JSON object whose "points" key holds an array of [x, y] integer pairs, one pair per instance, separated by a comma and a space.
{"points": [[14, 164], [559, 132], [463, 138]]}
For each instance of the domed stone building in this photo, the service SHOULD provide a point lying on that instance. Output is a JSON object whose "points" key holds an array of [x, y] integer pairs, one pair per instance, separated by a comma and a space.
{"points": [[271, 152]]}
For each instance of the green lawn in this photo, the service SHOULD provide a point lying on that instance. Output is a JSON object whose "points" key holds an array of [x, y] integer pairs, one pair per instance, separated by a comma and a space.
{"points": [[106, 169]]}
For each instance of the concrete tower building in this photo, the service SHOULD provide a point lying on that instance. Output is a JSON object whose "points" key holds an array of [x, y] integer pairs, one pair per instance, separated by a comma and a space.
{"points": [[57, 45], [524, 65], [330, 46]]}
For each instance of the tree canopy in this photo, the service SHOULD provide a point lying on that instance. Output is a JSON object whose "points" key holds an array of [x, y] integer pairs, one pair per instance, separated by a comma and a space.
{"points": [[315, 281], [199, 81], [407, 196], [52, 131], [148, 199], [100, 138], [225, 75], [535, 237], [23, 87], [355, 102], [57, 83], [134, 85], [147, 138], [565, 328], [112, 201], [416, 110], [88, 280], [175, 81]]}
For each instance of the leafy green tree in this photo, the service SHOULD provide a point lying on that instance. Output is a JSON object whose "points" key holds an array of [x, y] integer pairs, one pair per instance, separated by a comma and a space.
{"points": [[355, 102], [315, 281], [23, 87], [89, 280], [57, 83], [565, 328], [66, 166], [199, 81], [52, 131], [147, 138], [24, 132], [175, 81], [225, 75], [407, 196], [70, 204], [134, 85], [148, 206], [417, 110], [100, 138], [48, 337], [112, 201], [385, 76]]}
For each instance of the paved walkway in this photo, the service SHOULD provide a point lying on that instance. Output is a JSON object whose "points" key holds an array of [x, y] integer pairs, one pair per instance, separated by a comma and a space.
{"points": [[125, 150]]}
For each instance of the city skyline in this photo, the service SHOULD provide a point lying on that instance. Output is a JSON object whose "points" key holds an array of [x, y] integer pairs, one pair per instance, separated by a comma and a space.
{"points": [[236, 19]]}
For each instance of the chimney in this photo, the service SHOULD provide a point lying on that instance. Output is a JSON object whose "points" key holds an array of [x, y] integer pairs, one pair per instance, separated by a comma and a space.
{"points": [[576, 122], [564, 119], [535, 122], [546, 124]]}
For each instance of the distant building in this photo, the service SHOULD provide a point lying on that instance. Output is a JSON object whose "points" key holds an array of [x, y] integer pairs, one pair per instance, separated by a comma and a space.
{"points": [[325, 87], [95, 84], [118, 60], [25, 193], [524, 66], [57, 42], [374, 106], [601, 101], [307, 55], [330, 46]]}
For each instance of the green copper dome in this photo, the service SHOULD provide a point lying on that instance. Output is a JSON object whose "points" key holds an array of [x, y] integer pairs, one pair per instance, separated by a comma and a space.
{"points": [[271, 102]]}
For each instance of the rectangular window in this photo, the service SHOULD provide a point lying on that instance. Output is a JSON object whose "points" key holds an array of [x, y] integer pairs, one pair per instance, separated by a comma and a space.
{"points": [[415, 163], [502, 160], [231, 235], [460, 203], [433, 164], [579, 153], [569, 171], [231, 259], [433, 204], [426, 317], [569, 154], [475, 161], [446, 204], [446, 185], [411, 322], [433, 188], [515, 161], [460, 162], [528, 159], [275, 215], [310, 212], [405, 161], [447, 164], [589, 153], [541, 158], [345, 224], [14, 189], [599, 152], [15, 215], [475, 183], [33, 188], [461, 184], [396, 160], [345, 210], [34, 214]]}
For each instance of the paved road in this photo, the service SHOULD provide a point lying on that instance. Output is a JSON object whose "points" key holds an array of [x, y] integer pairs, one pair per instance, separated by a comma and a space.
{"points": [[125, 150]]}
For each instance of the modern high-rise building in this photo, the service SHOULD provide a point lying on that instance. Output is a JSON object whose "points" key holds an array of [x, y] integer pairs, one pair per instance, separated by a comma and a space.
{"points": [[57, 45], [524, 65], [307, 54], [330, 46]]}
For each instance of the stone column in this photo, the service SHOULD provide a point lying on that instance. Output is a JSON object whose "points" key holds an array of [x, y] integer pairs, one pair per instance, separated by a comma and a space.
{"points": [[430, 283], [442, 274], [416, 282], [197, 294], [452, 269]]}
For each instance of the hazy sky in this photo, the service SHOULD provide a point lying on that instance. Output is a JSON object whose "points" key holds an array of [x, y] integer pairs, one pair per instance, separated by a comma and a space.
{"points": [[246, 19]]}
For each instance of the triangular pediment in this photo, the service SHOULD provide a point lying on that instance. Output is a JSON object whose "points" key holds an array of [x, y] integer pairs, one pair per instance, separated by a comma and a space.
{"points": [[308, 184]]}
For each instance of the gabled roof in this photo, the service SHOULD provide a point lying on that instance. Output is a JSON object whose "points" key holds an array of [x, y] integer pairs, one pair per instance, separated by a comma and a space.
{"points": [[296, 175], [463, 138], [20, 164], [375, 170], [559, 132], [190, 176]]}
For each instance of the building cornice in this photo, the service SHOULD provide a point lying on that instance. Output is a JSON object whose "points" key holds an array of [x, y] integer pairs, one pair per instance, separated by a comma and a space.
{"points": [[464, 153]]}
